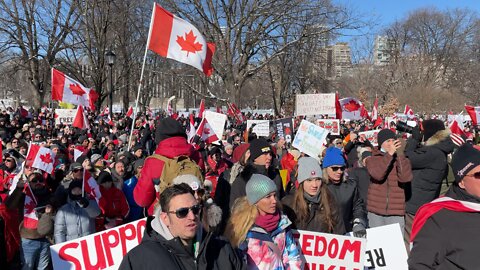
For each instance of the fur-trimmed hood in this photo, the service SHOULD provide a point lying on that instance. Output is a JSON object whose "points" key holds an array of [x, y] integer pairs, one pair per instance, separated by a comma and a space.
{"points": [[441, 140]]}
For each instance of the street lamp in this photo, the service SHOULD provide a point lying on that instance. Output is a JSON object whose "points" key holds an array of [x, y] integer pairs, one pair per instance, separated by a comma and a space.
{"points": [[111, 61]]}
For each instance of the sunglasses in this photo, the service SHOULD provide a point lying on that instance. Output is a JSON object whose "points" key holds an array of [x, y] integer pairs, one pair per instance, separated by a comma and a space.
{"points": [[183, 212], [474, 175], [77, 170], [338, 168], [8, 160]]}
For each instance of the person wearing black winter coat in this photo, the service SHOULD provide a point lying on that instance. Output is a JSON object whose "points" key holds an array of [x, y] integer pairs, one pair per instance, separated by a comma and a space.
{"points": [[429, 169]]}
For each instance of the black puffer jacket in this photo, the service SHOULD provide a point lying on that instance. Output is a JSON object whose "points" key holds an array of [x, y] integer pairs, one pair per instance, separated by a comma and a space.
{"points": [[155, 251], [429, 168], [448, 239], [238, 187], [349, 202]]}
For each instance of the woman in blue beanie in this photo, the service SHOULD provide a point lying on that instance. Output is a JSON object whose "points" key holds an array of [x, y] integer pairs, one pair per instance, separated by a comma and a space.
{"points": [[260, 230], [345, 192]]}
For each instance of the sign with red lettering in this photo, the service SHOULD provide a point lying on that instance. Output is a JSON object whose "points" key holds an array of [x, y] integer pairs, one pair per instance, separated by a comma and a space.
{"points": [[329, 251], [102, 250], [370, 135], [332, 125]]}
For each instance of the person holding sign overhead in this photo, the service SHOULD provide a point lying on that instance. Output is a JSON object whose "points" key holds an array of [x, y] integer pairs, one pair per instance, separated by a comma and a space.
{"points": [[312, 207]]}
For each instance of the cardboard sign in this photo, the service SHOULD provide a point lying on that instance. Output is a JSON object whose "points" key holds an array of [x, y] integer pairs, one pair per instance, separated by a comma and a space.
{"points": [[310, 138], [370, 135], [261, 128], [65, 116], [217, 122], [284, 128], [332, 125], [382, 254], [312, 104], [329, 251]]}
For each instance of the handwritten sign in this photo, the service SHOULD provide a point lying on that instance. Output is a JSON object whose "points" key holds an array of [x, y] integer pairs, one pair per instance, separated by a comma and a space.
{"points": [[310, 138], [370, 135], [312, 104], [65, 116], [261, 128], [332, 125]]}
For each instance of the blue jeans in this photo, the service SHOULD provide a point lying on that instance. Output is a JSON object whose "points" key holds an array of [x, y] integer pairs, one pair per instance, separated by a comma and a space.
{"points": [[35, 254]]}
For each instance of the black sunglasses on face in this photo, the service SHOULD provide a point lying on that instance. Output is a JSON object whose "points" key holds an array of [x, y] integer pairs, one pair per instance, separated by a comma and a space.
{"points": [[474, 175], [183, 212], [8, 160], [337, 168], [77, 170]]}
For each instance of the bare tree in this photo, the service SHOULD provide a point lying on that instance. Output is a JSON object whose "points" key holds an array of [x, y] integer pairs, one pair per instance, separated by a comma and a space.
{"points": [[33, 34]]}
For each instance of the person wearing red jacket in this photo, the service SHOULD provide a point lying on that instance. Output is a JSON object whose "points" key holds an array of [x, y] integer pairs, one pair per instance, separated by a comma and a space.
{"points": [[113, 203], [171, 142]]}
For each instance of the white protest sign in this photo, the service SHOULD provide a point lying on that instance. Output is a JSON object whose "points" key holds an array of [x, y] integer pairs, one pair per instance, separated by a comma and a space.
{"points": [[310, 138], [261, 128], [330, 251], [332, 125], [216, 121], [102, 250], [311, 104], [370, 135], [65, 116], [381, 254]]}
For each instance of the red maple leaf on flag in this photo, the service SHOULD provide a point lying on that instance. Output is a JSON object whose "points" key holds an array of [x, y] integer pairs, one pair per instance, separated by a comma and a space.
{"points": [[77, 89], [189, 43], [351, 106], [206, 131], [47, 158]]}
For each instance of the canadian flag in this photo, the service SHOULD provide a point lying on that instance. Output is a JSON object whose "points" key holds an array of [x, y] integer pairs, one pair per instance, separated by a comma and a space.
{"points": [[81, 121], [236, 113], [191, 132], [474, 113], [351, 108], [42, 157], [456, 127], [174, 38], [364, 113], [68, 90], [409, 112], [205, 132], [109, 120], [375, 109], [130, 111], [30, 219], [90, 186], [201, 110], [106, 111]]}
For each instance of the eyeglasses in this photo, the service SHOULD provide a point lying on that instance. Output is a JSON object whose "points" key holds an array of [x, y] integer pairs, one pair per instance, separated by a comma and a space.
{"points": [[474, 175], [338, 168], [183, 212]]}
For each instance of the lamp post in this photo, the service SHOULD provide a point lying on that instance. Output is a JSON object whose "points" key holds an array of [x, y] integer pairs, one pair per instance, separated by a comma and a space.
{"points": [[111, 61]]}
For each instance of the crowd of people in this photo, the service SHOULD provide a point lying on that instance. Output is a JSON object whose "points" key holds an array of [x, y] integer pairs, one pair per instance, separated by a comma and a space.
{"points": [[226, 205]]}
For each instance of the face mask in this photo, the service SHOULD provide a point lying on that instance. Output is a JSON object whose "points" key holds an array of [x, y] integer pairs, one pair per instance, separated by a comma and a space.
{"points": [[74, 197]]}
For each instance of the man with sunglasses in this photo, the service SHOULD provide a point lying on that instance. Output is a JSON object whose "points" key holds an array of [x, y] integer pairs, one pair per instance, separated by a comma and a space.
{"points": [[445, 231], [175, 239]]}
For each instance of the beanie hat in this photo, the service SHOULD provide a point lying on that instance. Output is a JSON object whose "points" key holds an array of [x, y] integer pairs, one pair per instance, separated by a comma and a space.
{"points": [[430, 127], [75, 184], [383, 135], [75, 165], [258, 147], [82, 138], [167, 128], [104, 177], [188, 179], [138, 163], [239, 151], [464, 160], [333, 156], [258, 187], [215, 150], [81, 159], [308, 167], [95, 158]]}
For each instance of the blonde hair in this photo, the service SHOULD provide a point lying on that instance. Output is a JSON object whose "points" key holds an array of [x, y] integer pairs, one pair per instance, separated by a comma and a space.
{"points": [[242, 218], [326, 180]]}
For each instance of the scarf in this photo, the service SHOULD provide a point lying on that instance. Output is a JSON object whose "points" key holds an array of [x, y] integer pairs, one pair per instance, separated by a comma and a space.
{"points": [[312, 199], [269, 222]]}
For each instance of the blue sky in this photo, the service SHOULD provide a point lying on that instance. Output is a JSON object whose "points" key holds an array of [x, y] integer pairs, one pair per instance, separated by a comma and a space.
{"points": [[389, 10]]}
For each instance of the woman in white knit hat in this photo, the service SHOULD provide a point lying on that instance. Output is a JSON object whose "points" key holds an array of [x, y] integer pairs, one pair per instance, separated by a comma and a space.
{"points": [[258, 227]]}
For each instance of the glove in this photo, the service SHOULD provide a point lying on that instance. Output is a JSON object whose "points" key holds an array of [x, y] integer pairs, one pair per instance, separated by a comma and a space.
{"points": [[359, 230], [83, 202]]}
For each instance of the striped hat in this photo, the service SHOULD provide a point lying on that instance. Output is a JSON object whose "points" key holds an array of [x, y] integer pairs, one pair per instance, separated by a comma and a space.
{"points": [[258, 187]]}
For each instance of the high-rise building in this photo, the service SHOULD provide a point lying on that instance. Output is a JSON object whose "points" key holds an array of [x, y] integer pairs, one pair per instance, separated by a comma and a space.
{"points": [[342, 59], [382, 50]]}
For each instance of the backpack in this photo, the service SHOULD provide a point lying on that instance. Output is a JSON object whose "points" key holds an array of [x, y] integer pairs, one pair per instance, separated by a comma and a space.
{"points": [[174, 167]]}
